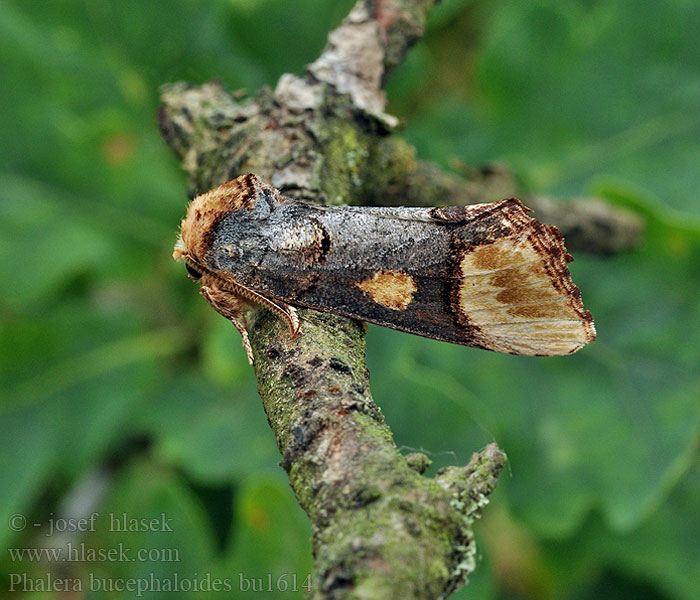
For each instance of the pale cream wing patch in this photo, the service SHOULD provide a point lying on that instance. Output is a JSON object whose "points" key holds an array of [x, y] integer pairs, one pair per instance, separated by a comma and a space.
{"points": [[518, 292]]}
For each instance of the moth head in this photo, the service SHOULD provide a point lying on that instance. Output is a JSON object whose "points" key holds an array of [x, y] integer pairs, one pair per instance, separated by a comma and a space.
{"points": [[247, 198], [180, 253]]}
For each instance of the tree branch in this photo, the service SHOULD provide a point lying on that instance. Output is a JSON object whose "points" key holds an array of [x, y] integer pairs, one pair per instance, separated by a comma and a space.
{"points": [[365, 49], [588, 224], [380, 529]]}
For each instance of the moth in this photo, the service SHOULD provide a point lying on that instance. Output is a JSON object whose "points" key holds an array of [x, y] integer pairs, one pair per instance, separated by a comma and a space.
{"points": [[484, 275]]}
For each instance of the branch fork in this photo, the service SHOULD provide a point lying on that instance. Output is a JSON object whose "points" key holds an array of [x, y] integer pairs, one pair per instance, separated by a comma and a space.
{"points": [[380, 529]]}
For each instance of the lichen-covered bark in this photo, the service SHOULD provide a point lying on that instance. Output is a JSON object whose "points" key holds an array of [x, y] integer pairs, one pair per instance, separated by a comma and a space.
{"points": [[380, 529]]}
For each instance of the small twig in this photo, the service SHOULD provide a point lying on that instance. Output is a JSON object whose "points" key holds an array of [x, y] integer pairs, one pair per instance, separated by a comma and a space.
{"points": [[589, 225]]}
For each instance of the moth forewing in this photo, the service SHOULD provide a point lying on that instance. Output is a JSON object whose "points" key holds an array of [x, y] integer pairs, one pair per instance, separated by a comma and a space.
{"points": [[485, 275]]}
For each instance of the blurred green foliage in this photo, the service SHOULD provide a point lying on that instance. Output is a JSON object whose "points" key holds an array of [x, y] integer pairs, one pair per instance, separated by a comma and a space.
{"points": [[113, 369]]}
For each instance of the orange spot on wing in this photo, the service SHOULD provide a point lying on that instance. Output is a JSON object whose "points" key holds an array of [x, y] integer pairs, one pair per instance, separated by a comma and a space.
{"points": [[392, 289]]}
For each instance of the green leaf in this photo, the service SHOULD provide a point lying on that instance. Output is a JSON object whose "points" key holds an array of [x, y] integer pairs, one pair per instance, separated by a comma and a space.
{"points": [[270, 550], [28, 442], [159, 528], [212, 433]]}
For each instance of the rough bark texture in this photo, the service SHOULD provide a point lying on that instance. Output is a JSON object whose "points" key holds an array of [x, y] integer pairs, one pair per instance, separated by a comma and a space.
{"points": [[380, 529]]}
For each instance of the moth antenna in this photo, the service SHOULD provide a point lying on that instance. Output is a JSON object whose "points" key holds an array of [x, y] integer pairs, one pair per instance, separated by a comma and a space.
{"points": [[288, 313], [230, 309]]}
